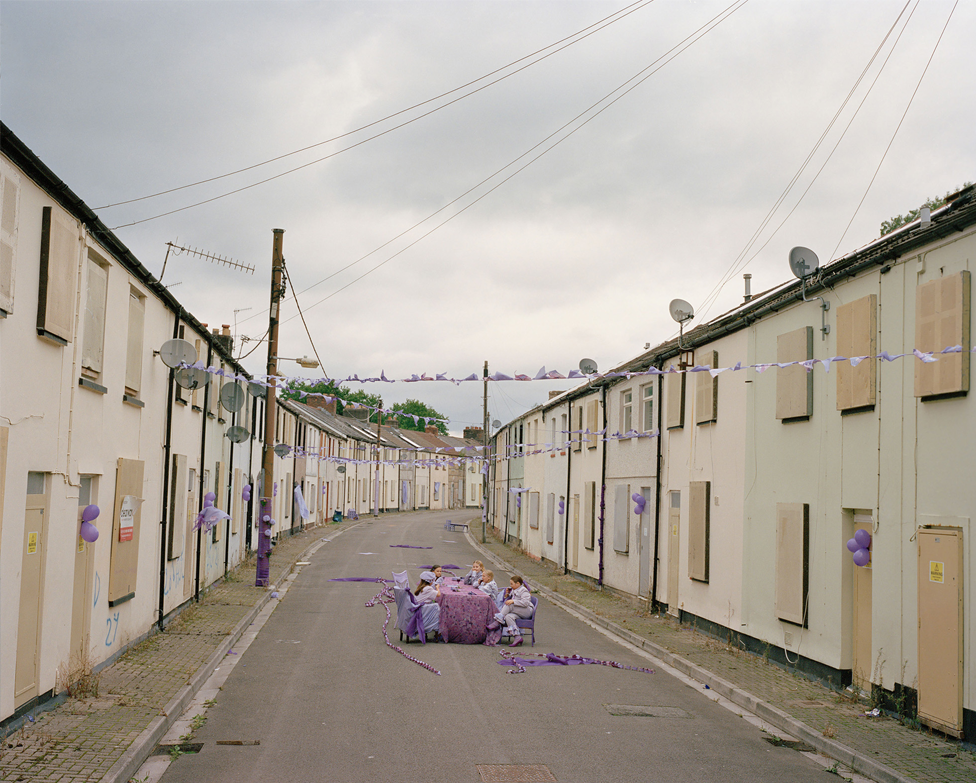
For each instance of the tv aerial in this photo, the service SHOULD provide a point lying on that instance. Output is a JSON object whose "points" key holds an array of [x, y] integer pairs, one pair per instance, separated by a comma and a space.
{"points": [[682, 312], [803, 264], [212, 257]]}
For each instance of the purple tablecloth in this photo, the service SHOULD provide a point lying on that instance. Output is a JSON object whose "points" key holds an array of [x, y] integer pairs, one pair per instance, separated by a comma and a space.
{"points": [[465, 614]]}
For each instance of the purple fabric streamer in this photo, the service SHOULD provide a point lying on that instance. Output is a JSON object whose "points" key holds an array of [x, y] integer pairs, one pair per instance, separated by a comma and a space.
{"points": [[362, 579], [551, 659], [409, 546], [385, 597]]}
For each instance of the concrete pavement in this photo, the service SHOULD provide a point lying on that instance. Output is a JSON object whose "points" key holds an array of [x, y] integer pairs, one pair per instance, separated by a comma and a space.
{"points": [[144, 692]]}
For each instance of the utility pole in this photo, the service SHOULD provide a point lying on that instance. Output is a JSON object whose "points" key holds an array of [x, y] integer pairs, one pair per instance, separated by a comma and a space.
{"points": [[266, 511], [487, 473]]}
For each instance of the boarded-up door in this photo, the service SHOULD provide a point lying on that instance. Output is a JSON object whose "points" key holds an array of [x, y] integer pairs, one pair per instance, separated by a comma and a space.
{"points": [[861, 663], [31, 593], [125, 531], [940, 629], [674, 530]]}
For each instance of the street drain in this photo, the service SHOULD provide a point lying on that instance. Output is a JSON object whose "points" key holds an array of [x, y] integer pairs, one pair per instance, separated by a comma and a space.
{"points": [[183, 747], [515, 773], [641, 711], [797, 745], [238, 742]]}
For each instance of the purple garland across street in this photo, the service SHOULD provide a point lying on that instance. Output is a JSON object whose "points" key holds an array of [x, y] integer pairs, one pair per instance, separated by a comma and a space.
{"points": [[551, 659]]}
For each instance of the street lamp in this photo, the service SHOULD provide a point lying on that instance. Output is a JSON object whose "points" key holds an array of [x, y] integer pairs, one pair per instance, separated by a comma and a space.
{"points": [[306, 362]]}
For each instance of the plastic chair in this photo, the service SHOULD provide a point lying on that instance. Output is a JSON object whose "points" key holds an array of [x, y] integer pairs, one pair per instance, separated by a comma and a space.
{"points": [[401, 579], [407, 607], [525, 623]]}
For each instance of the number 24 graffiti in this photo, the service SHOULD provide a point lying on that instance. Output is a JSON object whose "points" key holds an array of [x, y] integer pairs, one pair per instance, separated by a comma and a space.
{"points": [[113, 629]]}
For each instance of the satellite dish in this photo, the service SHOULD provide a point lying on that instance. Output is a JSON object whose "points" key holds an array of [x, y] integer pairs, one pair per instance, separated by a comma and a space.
{"points": [[803, 262], [681, 310], [496, 424], [177, 352], [282, 449], [341, 469], [237, 434], [587, 366], [232, 397], [257, 390], [192, 378]]}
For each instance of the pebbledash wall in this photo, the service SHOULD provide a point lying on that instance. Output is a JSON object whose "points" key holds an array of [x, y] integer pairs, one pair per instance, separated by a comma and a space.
{"points": [[766, 475]]}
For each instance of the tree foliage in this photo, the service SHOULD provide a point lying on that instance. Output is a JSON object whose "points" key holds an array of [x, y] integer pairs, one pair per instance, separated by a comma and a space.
{"points": [[898, 221], [418, 408], [345, 395]]}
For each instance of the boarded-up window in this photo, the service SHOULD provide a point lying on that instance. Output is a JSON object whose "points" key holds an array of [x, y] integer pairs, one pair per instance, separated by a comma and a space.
{"points": [[792, 561], [794, 385], [58, 273], [550, 517], [942, 320], [857, 335], [676, 400], [577, 437], [621, 519], [177, 506], [124, 561], [96, 293], [592, 422], [589, 514], [9, 209], [534, 510], [699, 506], [133, 354], [706, 390], [220, 490]]}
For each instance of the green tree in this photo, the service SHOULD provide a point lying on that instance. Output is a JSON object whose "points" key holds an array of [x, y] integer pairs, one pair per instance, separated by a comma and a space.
{"points": [[344, 394], [898, 221], [417, 408]]}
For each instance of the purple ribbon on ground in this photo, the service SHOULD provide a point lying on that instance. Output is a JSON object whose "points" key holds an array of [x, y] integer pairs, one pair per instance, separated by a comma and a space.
{"points": [[409, 546], [551, 659], [362, 579]]}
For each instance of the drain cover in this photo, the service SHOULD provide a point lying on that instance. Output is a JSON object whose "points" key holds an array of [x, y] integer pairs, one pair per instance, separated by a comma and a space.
{"points": [[184, 747], [238, 742], [796, 745], [515, 773], [641, 711]]}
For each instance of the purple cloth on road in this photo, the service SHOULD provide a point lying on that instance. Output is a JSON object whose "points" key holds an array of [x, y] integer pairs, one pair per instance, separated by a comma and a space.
{"points": [[360, 579], [409, 546]]}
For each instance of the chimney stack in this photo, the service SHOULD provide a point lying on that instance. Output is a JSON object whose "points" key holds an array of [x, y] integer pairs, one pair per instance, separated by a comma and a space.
{"points": [[314, 401], [474, 433], [748, 280], [431, 429]]}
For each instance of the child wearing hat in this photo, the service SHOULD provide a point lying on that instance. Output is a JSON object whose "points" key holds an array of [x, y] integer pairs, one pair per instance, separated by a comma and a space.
{"points": [[427, 592]]}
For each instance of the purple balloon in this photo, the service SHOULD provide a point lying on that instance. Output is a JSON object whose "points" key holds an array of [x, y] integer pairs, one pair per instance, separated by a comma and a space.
{"points": [[637, 497], [89, 514], [88, 531], [862, 557], [211, 496], [852, 545], [863, 538]]}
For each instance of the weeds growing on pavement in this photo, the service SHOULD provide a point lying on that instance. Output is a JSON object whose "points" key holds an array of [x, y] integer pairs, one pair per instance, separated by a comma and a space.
{"points": [[828, 731], [77, 676]]}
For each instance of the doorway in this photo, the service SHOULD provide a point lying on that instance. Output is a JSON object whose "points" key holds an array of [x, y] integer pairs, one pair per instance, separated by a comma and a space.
{"points": [[645, 545], [861, 658], [674, 530], [31, 590]]}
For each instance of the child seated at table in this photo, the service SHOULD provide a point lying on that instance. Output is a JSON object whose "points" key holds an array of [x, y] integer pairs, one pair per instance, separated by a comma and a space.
{"points": [[474, 575], [517, 605], [438, 574], [426, 591], [486, 583]]}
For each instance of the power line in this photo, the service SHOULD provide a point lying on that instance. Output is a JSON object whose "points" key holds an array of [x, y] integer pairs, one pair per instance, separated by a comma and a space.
{"points": [[299, 307], [578, 36]]}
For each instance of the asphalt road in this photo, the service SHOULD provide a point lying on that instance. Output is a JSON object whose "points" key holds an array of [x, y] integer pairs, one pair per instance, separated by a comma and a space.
{"points": [[328, 701]]}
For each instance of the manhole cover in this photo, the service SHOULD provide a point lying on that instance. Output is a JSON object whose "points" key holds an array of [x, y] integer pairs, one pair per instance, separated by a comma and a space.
{"points": [[515, 773], [797, 745], [641, 711], [185, 747]]}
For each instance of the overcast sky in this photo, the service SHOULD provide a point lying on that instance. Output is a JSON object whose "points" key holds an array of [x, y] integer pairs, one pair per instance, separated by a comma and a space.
{"points": [[577, 255]]}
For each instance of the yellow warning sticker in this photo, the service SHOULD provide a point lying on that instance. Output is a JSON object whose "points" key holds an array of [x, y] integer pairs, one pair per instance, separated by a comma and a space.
{"points": [[936, 572], [32, 543]]}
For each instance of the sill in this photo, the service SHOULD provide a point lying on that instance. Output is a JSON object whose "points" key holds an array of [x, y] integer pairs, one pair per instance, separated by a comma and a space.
{"points": [[121, 600], [91, 385], [3, 313], [860, 409], [131, 399], [44, 334], [197, 408], [794, 419], [946, 396], [210, 415], [707, 421], [180, 401]]}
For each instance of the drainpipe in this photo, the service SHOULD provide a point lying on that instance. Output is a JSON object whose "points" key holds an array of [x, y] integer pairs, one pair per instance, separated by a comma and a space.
{"points": [[569, 472], [167, 449], [657, 493], [203, 466], [603, 483], [230, 493]]}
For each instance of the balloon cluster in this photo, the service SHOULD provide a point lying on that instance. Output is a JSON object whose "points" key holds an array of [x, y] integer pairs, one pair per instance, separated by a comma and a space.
{"points": [[210, 515], [562, 507], [860, 545], [639, 502], [246, 493], [88, 531], [270, 523]]}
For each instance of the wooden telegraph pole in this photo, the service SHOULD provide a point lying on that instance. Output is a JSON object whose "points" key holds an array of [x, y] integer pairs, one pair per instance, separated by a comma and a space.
{"points": [[266, 512]]}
